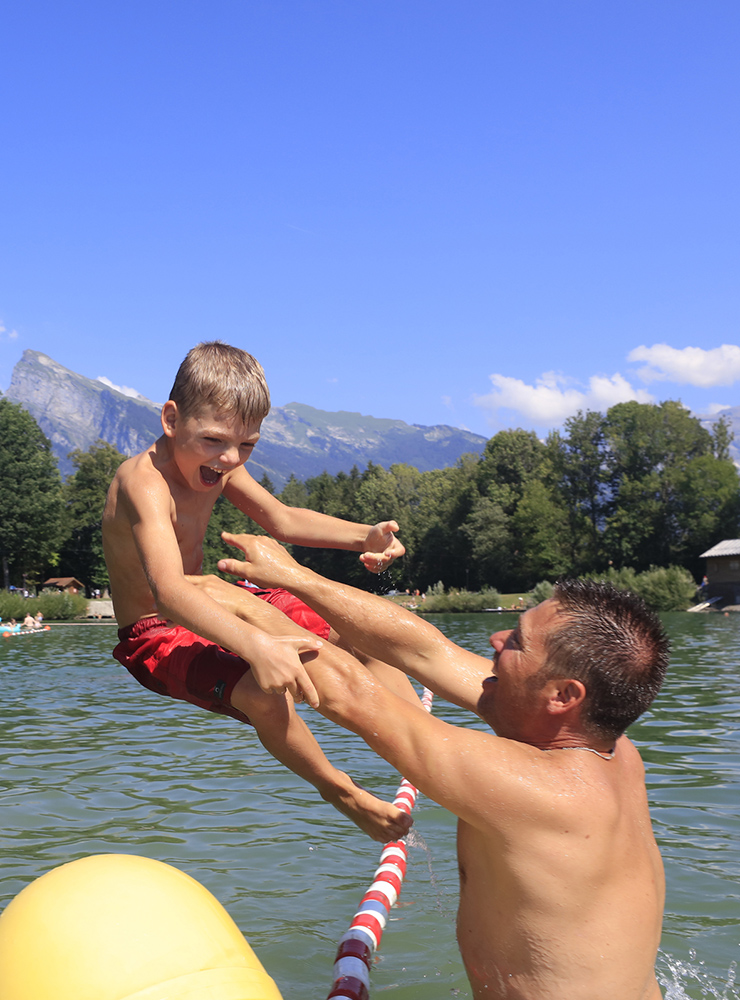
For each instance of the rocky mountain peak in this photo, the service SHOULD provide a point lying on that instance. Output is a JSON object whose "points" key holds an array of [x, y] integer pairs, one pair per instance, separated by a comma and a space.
{"points": [[74, 412]]}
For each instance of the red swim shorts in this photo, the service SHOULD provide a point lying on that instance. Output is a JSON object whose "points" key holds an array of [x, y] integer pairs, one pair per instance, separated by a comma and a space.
{"points": [[293, 607], [173, 661], [170, 660]]}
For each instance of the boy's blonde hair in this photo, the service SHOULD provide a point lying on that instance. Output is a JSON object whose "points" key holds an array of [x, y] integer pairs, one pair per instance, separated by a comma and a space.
{"points": [[224, 377]]}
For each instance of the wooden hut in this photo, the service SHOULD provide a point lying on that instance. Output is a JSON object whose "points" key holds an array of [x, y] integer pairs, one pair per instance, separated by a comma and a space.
{"points": [[64, 584], [723, 571]]}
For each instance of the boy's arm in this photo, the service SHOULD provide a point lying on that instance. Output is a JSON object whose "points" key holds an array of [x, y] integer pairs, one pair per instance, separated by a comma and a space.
{"points": [[301, 526], [274, 661], [373, 624]]}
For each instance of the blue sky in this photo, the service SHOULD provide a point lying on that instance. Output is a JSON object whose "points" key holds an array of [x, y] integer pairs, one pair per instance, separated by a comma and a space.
{"points": [[479, 213]]}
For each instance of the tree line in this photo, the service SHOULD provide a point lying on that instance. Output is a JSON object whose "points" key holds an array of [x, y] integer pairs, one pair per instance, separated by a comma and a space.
{"points": [[641, 485]]}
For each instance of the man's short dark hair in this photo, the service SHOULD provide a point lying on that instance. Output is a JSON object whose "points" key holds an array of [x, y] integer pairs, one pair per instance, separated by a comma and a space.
{"points": [[611, 641]]}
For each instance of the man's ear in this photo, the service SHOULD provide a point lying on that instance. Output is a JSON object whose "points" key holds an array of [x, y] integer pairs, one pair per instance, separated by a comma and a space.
{"points": [[169, 417], [565, 694]]}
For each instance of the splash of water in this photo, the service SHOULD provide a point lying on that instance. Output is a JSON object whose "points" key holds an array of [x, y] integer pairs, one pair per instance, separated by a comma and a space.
{"points": [[415, 840], [677, 978]]}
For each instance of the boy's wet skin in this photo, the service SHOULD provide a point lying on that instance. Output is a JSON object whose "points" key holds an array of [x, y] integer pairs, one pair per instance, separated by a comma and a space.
{"points": [[173, 636]]}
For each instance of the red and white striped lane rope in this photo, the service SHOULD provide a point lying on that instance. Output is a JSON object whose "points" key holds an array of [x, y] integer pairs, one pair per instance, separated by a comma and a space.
{"points": [[362, 940]]}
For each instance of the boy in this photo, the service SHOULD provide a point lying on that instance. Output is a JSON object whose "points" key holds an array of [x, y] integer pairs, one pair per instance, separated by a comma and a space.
{"points": [[173, 637]]}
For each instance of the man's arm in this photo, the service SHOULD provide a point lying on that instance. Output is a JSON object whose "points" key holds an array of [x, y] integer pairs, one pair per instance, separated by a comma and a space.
{"points": [[275, 662], [300, 526], [473, 774], [373, 624]]}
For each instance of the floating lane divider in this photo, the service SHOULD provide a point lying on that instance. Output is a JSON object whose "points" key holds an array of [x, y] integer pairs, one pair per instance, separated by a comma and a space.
{"points": [[12, 633], [362, 940]]}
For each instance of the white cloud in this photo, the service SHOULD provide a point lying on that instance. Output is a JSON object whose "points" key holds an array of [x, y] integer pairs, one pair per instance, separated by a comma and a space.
{"points": [[689, 365], [554, 397], [447, 402], [714, 408], [123, 389], [6, 334]]}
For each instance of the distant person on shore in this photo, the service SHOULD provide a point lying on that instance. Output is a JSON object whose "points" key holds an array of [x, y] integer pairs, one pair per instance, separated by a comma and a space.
{"points": [[177, 641], [561, 881]]}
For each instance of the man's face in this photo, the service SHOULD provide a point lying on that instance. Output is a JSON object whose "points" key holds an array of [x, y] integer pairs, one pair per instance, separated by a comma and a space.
{"points": [[509, 701], [208, 445]]}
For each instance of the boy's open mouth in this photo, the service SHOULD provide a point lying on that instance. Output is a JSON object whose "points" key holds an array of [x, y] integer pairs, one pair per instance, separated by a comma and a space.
{"points": [[209, 476]]}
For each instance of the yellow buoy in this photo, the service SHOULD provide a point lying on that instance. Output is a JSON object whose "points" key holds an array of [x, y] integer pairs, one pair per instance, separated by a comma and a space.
{"points": [[121, 927]]}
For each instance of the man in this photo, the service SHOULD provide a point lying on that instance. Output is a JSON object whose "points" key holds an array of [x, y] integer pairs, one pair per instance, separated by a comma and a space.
{"points": [[561, 881]]}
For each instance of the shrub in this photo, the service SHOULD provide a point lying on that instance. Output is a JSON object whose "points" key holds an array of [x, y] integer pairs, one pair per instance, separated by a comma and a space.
{"points": [[460, 601], [54, 607], [623, 579], [662, 588], [666, 588], [543, 591], [12, 605], [61, 607]]}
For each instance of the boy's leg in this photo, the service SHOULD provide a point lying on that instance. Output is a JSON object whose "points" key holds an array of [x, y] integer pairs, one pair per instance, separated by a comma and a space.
{"points": [[301, 614], [286, 736], [395, 680]]}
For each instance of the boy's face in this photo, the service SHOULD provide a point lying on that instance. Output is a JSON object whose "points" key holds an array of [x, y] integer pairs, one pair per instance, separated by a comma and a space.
{"points": [[207, 445]]}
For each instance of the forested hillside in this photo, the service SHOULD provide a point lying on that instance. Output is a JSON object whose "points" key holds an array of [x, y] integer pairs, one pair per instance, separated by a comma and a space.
{"points": [[641, 485]]}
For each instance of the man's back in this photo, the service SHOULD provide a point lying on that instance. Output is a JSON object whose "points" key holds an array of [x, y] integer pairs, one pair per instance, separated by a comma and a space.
{"points": [[555, 895]]}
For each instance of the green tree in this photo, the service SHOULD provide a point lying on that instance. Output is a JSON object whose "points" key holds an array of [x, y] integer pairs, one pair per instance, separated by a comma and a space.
{"points": [[84, 493], [510, 459], [442, 550], [363, 498], [541, 528], [578, 462], [708, 507], [491, 536], [30, 496], [512, 463], [672, 487], [722, 438], [294, 493], [225, 517]]}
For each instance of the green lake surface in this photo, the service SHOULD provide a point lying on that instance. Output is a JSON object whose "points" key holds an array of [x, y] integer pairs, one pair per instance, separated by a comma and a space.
{"points": [[92, 763]]}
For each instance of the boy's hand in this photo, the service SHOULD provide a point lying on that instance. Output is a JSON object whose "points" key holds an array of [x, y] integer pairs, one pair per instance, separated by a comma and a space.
{"points": [[277, 666], [381, 547], [275, 659]]}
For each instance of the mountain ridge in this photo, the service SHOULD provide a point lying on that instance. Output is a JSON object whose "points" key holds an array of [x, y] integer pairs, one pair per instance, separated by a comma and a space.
{"points": [[74, 411]]}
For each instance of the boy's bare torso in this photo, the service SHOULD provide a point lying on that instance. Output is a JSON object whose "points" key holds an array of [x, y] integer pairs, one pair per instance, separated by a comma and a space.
{"points": [[553, 897], [189, 514]]}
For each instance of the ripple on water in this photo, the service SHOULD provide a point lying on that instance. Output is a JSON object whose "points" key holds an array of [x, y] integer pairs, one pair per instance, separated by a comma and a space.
{"points": [[92, 763]]}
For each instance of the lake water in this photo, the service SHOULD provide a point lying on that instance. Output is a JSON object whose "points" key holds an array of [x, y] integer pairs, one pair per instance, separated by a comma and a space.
{"points": [[92, 763]]}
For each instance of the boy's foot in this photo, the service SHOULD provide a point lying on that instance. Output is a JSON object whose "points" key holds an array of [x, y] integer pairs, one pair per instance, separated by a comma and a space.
{"points": [[382, 821]]}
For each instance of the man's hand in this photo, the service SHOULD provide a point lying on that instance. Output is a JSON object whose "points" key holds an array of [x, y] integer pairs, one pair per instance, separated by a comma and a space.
{"points": [[266, 563], [381, 547]]}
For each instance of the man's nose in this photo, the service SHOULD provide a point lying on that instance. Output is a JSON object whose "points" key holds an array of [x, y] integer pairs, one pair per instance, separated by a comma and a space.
{"points": [[500, 638]]}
